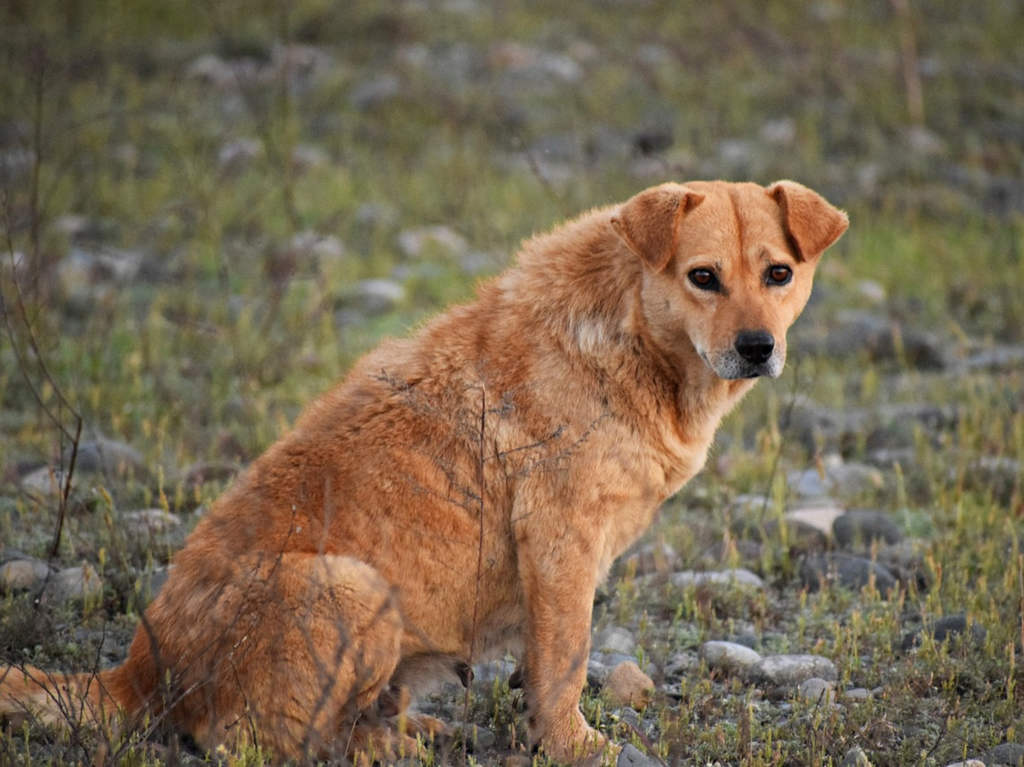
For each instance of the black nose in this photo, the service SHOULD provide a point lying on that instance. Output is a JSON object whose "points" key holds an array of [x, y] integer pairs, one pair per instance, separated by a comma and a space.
{"points": [[755, 345]]}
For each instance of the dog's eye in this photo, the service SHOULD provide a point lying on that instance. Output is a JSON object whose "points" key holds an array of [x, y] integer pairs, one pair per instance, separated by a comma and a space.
{"points": [[779, 274], [704, 279]]}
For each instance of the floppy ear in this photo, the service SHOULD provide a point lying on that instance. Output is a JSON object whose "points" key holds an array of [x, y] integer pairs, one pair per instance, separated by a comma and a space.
{"points": [[648, 222], [811, 223]]}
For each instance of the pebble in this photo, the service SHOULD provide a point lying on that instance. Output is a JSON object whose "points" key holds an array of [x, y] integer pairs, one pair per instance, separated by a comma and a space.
{"points": [[855, 757], [1011, 754], [44, 483], [787, 670], [22, 574], [377, 296], [374, 91], [476, 737], [950, 627], [845, 570], [968, 763], [74, 583], [614, 639], [857, 694], [107, 456], [627, 685], [734, 577], [728, 656], [840, 478], [818, 517], [816, 690], [862, 528], [421, 241], [631, 756], [651, 558], [149, 521]]}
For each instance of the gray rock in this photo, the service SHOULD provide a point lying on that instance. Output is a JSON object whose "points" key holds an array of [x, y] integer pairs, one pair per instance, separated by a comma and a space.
{"points": [[855, 757], [375, 91], [735, 577], [856, 695], [1011, 754], [631, 756], [23, 574], [968, 763], [237, 155], [495, 669], [845, 570], [949, 628], [815, 690], [729, 656], [376, 296], [657, 557], [884, 339], [614, 639], [820, 517], [839, 478], [861, 529], [681, 664], [149, 522], [996, 358], [150, 582], [421, 241], [73, 584], [476, 737], [44, 483], [107, 456], [791, 670]]}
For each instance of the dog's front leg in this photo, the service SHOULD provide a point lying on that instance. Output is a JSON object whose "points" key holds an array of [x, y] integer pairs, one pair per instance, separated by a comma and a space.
{"points": [[558, 571]]}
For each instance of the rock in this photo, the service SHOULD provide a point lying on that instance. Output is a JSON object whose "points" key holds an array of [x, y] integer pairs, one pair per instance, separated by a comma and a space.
{"points": [[950, 627], [855, 757], [631, 756], [861, 529], [844, 570], [1011, 754], [149, 522], [820, 517], [424, 240], [209, 471], [108, 457], [614, 639], [790, 670], [996, 358], [495, 669], [214, 70], [23, 574], [856, 695], [729, 656], [74, 583], [968, 763], [681, 664], [734, 577], [839, 478], [477, 738], [307, 157], [526, 63], [375, 91], [884, 339], [627, 685], [150, 582], [817, 691], [376, 296], [44, 483], [650, 558], [237, 155]]}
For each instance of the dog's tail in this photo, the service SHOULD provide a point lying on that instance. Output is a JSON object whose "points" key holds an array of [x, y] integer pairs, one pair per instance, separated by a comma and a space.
{"points": [[87, 699]]}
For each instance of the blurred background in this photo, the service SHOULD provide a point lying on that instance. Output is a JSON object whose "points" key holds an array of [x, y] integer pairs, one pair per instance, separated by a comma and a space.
{"points": [[209, 209]]}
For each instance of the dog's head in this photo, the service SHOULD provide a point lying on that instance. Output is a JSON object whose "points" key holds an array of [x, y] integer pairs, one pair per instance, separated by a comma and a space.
{"points": [[727, 267]]}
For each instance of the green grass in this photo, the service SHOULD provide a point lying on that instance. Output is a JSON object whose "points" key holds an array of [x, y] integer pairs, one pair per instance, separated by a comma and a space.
{"points": [[210, 352]]}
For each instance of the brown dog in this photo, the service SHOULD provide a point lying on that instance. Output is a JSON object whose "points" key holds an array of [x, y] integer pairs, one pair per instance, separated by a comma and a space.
{"points": [[462, 493]]}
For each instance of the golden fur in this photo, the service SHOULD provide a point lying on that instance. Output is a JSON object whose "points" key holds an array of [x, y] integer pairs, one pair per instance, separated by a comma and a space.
{"points": [[462, 493]]}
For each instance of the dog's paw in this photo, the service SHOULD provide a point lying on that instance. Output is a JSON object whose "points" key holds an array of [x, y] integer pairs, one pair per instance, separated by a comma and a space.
{"points": [[576, 742]]}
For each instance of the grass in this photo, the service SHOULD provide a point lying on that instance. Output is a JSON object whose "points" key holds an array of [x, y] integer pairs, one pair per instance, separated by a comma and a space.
{"points": [[211, 347]]}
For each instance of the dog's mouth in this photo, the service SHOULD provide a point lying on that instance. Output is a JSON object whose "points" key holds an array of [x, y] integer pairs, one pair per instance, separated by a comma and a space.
{"points": [[730, 366]]}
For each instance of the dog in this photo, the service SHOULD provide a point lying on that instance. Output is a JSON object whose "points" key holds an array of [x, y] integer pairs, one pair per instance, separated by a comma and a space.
{"points": [[462, 493]]}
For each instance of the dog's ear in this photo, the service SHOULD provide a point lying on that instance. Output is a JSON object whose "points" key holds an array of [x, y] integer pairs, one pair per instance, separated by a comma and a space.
{"points": [[648, 222], [811, 223]]}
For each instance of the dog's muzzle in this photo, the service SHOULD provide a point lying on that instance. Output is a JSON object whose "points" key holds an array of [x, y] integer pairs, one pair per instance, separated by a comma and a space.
{"points": [[754, 353]]}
